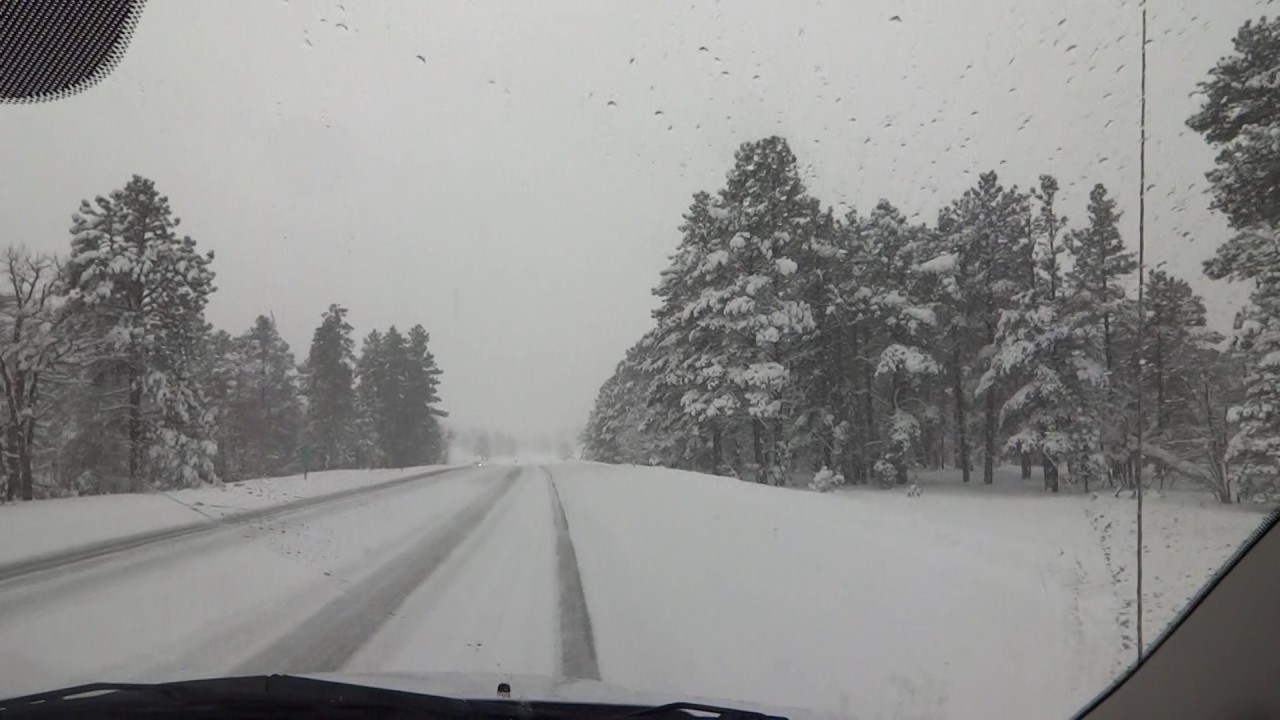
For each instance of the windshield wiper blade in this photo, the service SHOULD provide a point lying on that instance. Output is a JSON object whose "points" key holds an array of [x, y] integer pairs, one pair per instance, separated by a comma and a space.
{"points": [[285, 695], [267, 695], [687, 709]]}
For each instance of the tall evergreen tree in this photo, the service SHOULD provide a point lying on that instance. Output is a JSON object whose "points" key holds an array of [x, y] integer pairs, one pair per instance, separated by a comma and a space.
{"points": [[139, 290], [372, 375], [1100, 265], [266, 413], [988, 234], [1046, 348], [684, 402], [330, 395], [751, 316], [1240, 117], [423, 398], [217, 369]]}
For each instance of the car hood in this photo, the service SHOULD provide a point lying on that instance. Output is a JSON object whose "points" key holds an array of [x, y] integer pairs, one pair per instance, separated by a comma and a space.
{"points": [[484, 686]]}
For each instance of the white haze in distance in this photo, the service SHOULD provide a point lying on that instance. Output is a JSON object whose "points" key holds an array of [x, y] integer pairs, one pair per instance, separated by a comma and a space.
{"points": [[511, 175]]}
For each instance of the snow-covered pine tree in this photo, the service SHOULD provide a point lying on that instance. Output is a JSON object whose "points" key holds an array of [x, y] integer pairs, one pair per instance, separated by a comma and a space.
{"points": [[1191, 382], [888, 303], [1175, 327], [396, 431], [139, 291], [217, 369], [266, 413], [988, 234], [618, 430], [750, 317], [423, 398], [1046, 349], [679, 397], [1240, 116], [1100, 265], [330, 395], [373, 374]]}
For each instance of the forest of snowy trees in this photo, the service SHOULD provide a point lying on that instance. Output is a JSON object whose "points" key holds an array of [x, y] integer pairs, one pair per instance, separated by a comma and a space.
{"points": [[790, 344], [114, 381]]}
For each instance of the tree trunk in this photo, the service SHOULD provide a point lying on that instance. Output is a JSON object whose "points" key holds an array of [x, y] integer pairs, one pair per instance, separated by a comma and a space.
{"points": [[135, 434], [962, 437], [10, 489], [12, 471], [1050, 470], [1025, 456], [778, 453], [757, 445], [869, 421], [24, 465], [717, 449], [989, 439]]}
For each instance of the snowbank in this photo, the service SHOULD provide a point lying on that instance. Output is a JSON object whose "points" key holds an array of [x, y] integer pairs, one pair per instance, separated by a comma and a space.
{"points": [[45, 526], [871, 603]]}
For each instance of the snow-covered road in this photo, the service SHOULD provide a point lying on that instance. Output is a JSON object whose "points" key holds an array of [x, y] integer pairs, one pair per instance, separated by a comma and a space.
{"points": [[860, 604]]}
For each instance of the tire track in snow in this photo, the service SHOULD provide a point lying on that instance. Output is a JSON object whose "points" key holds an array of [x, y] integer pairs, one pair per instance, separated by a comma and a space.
{"points": [[21, 569], [30, 592], [577, 643], [327, 639]]}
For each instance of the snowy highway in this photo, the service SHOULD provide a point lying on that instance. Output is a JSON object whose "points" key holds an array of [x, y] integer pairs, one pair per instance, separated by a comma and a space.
{"points": [[659, 582], [451, 572]]}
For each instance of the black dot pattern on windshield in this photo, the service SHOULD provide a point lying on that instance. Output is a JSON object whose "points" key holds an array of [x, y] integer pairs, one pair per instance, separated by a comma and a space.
{"points": [[52, 50]]}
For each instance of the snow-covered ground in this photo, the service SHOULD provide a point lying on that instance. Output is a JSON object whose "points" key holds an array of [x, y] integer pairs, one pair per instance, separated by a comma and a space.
{"points": [[45, 526], [964, 602], [868, 603]]}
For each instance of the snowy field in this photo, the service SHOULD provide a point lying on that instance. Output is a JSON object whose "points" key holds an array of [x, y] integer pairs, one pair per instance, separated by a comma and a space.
{"points": [[965, 602]]}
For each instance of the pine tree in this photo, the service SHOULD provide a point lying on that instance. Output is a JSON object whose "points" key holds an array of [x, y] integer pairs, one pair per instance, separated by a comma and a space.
{"points": [[423, 398], [988, 235], [1100, 265], [372, 376], [750, 317], [1046, 348], [266, 413], [1240, 116], [681, 398], [327, 385], [1175, 325], [889, 302], [138, 291], [217, 367], [618, 430]]}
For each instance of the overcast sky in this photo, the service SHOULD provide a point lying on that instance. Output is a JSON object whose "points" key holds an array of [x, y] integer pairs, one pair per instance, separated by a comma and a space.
{"points": [[511, 175]]}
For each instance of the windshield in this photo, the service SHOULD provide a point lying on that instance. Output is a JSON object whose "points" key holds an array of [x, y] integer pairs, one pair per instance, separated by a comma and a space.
{"points": [[874, 359]]}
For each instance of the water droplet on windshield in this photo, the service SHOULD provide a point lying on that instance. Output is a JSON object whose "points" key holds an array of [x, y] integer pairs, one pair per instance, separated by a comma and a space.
{"points": [[703, 49], [422, 59], [611, 105]]}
